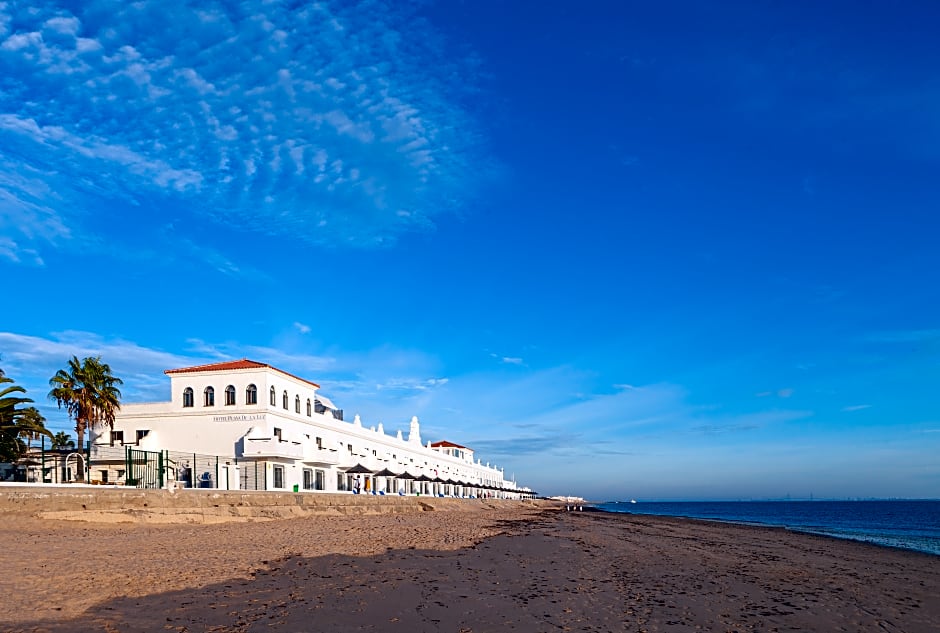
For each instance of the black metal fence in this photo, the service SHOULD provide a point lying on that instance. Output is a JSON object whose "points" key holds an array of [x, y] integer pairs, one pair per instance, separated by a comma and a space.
{"points": [[253, 475], [144, 469], [193, 470]]}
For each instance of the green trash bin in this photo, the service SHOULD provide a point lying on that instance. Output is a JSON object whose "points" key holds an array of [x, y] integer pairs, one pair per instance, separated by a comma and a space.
{"points": [[296, 488]]}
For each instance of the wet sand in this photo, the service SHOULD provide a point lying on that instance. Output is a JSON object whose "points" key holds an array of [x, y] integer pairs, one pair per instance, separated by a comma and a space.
{"points": [[474, 571]]}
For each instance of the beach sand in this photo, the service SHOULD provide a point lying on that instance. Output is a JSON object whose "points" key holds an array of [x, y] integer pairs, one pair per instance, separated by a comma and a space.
{"points": [[457, 571]]}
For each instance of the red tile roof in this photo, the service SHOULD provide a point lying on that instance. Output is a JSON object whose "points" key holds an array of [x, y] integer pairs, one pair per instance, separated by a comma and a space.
{"points": [[244, 363], [449, 445]]}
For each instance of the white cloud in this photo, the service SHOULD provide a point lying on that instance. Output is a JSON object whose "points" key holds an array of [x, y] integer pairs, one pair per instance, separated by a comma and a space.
{"points": [[208, 256], [507, 360], [26, 206], [411, 384], [780, 393], [54, 138], [66, 26], [300, 327], [22, 350], [32, 360], [857, 407], [11, 251], [292, 117], [4, 20], [905, 336]]}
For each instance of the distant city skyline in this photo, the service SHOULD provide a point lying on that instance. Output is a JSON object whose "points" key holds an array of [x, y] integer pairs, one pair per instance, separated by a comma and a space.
{"points": [[670, 251]]}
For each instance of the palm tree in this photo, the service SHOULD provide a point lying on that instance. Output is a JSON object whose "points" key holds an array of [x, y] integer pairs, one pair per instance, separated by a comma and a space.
{"points": [[62, 440], [9, 403], [11, 447], [32, 425], [89, 392]]}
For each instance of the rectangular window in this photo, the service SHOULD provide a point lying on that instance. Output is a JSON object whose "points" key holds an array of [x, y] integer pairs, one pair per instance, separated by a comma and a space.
{"points": [[104, 476], [277, 434], [278, 476], [308, 479], [141, 434], [350, 449], [117, 436], [320, 443], [320, 482]]}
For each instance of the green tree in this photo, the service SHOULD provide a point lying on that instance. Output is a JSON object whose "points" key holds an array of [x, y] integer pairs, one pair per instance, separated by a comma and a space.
{"points": [[88, 391], [11, 414], [32, 425], [62, 440]]}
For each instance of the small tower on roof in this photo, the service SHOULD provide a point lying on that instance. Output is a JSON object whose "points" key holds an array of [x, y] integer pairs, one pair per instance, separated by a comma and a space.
{"points": [[414, 434]]}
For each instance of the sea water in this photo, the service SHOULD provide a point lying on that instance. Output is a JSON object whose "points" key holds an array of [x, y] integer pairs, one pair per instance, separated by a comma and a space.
{"points": [[904, 524]]}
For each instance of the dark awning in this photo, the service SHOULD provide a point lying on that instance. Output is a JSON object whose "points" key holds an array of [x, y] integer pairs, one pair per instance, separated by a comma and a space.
{"points": [[385, 472], [359, 469], [406, 475]]}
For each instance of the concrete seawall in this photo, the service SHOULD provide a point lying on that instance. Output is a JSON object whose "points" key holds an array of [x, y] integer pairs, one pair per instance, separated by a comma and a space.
{"points": [[133, 505]]}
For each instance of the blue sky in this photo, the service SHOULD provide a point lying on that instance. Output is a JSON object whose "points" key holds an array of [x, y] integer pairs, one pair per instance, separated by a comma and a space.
{"points": [[625, 250]]}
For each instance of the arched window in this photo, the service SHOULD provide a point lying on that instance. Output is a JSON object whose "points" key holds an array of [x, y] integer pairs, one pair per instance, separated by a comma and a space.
{"points": [[229, 395], [210, 397], [188, 397], [251, 395], [297, 404], [309, 408], [285, 400], [273, 398]]}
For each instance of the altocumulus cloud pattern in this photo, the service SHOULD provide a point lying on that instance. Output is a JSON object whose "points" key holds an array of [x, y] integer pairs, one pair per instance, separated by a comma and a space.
{"points": [[315, 120]]}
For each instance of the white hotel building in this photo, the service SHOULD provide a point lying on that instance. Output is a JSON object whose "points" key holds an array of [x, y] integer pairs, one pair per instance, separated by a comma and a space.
{"points": [[250, 426]]}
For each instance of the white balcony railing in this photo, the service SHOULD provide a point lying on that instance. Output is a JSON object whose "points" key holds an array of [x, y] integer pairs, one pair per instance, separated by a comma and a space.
{"points": [[321, 456], [273, 447]]}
